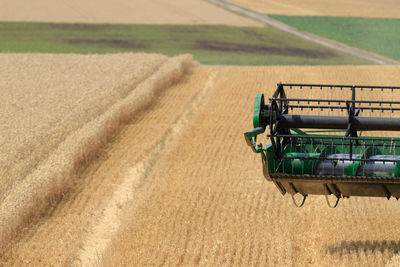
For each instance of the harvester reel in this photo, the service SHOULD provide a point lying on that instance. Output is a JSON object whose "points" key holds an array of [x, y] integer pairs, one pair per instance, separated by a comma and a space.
{"points": [[305, 157]]}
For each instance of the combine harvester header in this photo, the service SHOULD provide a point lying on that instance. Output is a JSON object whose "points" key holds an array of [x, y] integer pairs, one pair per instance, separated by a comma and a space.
{"points": [[307, 153]]}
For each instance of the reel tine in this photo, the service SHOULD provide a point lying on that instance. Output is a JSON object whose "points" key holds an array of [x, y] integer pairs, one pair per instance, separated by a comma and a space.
{"points": [[329, 204], [327, 200], [302, 202]]}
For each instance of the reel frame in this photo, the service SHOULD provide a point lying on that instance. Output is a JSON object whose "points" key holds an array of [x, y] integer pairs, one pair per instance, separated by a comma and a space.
{"points": [[294, 145]]}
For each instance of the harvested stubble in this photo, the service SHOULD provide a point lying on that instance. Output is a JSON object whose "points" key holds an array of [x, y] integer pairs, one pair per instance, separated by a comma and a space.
{"points": [[342, 8], [205, 201], [59, 110]]}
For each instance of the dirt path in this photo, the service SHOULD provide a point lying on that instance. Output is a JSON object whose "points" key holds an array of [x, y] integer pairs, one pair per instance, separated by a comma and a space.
{"points": [[328, 43], [179, 185]]}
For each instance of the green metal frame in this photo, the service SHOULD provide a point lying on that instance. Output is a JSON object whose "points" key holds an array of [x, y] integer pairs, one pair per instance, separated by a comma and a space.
{"points": [[311, 151], [315, 151]]}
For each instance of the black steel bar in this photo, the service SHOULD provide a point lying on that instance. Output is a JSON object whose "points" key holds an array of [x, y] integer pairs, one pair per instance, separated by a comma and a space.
{"points": [[282, 95], [335, 100], [353, 98], [339, 122], [367, 138], [341, 107], [342, 143], [339, 86], [343, 159], [316, 107]]}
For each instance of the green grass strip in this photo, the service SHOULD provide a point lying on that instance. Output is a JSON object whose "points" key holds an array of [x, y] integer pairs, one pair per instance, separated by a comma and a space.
{"points": [[379, 35], [210, 44]]}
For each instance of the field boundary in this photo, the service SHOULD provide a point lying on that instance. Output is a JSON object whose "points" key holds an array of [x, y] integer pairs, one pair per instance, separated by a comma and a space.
{"points": [[283, 27], [30, 198]]}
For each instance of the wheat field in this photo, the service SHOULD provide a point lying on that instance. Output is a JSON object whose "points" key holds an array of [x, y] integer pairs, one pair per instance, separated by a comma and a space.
{"points": [[57, 116], [179, 186], [341, 8], [47, 97]]}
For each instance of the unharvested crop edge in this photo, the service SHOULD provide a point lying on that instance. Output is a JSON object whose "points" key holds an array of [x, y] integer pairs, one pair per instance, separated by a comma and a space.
{"points": [[31, 197]]}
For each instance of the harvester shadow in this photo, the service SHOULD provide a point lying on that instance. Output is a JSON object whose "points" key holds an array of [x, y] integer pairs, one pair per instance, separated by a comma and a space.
{"points": [[374, 246]]}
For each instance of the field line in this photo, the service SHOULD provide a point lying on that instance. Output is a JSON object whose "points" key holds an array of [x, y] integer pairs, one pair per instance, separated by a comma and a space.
{"points": [[283, 27], [106, 228], [32, 196]]}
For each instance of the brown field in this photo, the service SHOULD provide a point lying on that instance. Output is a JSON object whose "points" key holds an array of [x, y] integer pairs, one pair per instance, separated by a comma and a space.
{"points": [[121, 11], [344, 8], [179, 186]]}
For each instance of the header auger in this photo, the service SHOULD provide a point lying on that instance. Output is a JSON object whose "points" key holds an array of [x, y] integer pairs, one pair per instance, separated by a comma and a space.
{"points": [[321, 142]]}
